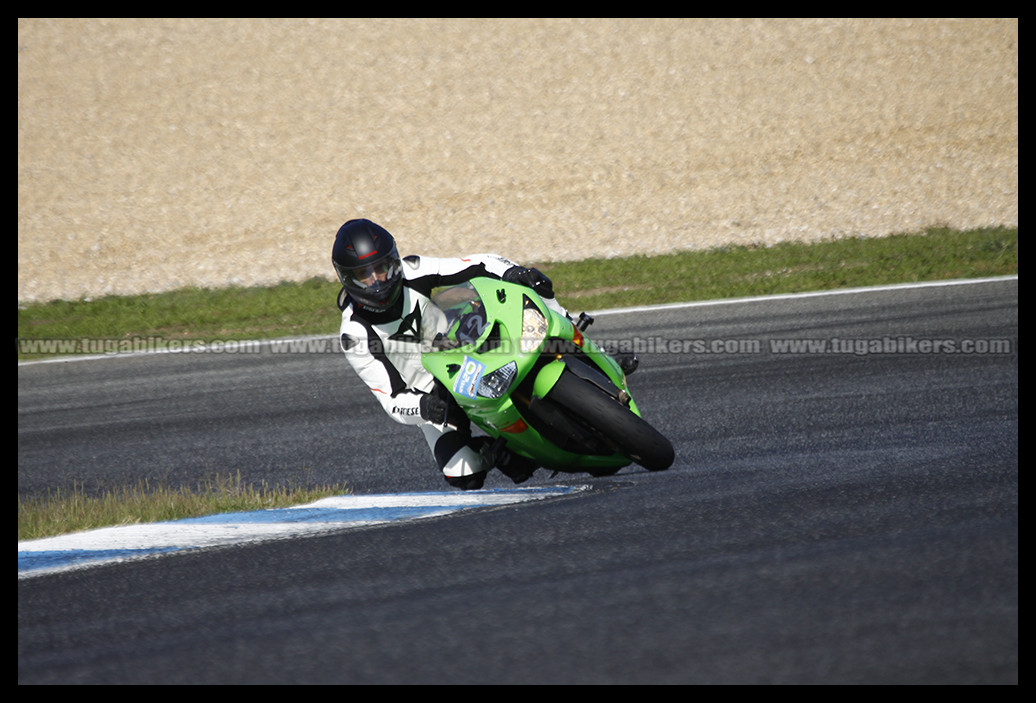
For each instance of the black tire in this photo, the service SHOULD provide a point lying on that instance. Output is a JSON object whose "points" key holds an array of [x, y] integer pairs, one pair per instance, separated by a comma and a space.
{"points": [[631, 435]]}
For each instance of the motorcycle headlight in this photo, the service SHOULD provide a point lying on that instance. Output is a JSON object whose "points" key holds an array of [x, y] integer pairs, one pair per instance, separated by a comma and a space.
{"points": [[496, 383], [534, 329]]}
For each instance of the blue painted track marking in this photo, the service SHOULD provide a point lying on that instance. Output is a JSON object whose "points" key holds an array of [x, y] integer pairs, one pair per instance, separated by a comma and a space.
{"points": [[125, 542]]}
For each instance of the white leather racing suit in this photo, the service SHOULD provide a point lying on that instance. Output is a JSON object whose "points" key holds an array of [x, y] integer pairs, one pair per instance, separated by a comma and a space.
{"points": [[384, 348]]}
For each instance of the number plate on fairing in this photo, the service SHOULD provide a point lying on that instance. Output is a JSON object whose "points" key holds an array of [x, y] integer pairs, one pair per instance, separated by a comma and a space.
{"points": [[468, 378]]}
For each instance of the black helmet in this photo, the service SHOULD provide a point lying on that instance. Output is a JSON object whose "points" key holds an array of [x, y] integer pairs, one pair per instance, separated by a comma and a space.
{"points": [[368, 264]]}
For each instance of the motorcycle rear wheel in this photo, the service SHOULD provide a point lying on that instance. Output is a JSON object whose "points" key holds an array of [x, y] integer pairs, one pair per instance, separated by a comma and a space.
{"points": [[630, 434]]}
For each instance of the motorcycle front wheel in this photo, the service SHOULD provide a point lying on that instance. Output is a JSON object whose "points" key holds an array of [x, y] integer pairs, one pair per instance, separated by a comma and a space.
{"points": [[613, 422]]}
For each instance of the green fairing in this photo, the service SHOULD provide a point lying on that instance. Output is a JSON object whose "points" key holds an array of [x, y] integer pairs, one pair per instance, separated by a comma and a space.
{"points": [[476, 329]]}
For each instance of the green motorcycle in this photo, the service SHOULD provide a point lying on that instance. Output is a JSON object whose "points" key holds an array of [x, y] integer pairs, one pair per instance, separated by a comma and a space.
{"points": [[532, 380]]}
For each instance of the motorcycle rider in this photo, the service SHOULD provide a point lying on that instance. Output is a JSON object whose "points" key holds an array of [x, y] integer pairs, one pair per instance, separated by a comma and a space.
{"points": [[381, 300]]}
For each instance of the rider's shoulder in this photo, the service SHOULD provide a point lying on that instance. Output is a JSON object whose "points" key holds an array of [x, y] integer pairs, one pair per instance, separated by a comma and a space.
{"points": [[348, 312], [348, 307], [353, 331]]}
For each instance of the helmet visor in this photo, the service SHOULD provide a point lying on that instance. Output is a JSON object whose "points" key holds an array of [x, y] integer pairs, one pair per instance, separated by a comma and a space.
{"points": [[376, 275], [375, 285]]}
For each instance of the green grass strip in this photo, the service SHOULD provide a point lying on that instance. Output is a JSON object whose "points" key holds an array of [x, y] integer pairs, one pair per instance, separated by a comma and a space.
{"points": [[62, 513], [733, 272], [297, 309]]}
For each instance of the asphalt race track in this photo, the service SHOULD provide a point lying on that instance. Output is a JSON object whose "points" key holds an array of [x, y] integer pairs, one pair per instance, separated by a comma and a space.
{"points": [[846, 515]]}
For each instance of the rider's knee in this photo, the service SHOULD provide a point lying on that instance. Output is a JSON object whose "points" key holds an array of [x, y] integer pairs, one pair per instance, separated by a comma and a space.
{"points": [[461, 464], [471, 482]]}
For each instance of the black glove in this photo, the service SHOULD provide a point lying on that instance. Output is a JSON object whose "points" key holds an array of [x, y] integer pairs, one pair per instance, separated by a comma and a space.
{"points": [[441, 412], [530, 278]]}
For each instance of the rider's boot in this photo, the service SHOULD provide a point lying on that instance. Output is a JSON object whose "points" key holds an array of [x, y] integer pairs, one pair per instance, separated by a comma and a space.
{"points": [[517, 468], [496, 455]]}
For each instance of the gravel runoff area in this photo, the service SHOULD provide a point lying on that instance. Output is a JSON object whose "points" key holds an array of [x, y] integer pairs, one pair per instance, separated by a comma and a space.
{"points": [[160, 153]]}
